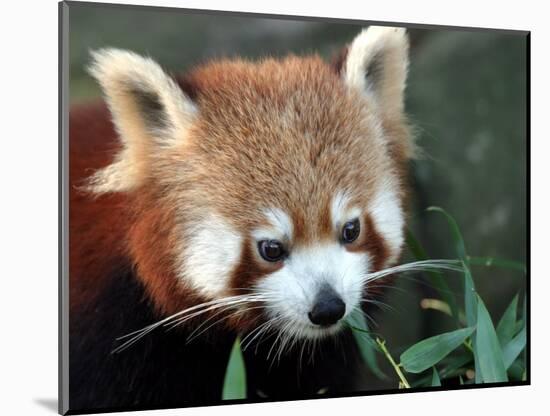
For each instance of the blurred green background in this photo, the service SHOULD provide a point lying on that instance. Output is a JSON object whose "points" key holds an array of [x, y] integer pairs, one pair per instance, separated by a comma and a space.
{"points": [[466, 98]]}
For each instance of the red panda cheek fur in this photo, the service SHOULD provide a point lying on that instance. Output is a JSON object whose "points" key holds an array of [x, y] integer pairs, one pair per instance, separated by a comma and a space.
{"points": [[153, 243]]}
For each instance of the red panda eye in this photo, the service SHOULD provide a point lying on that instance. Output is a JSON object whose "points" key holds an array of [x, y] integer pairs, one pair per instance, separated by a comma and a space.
{"points": [[350, 231], [271, 250]]}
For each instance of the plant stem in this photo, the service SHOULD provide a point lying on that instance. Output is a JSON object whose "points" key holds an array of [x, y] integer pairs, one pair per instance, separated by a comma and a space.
{"points": [[469, 346], [395, 366]]}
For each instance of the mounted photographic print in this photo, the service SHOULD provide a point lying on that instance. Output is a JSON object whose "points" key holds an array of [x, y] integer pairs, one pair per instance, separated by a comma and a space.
{"points": [[266, 208]]}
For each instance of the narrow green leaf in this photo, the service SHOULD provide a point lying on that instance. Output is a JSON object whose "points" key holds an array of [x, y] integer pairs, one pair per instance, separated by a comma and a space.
{"points": [[470, 305], [454, 362], [524, 317], [452, 366], [367, 346], [234, 385], [455, 231], [436, 278], [524, 308], [436, 382], [469, 287], [496, 262], [518, 326], [430, 351], [487, 347], [477, 369], [512, 350], [470, 297], [415, 247], [507, 325], [515, 372]]}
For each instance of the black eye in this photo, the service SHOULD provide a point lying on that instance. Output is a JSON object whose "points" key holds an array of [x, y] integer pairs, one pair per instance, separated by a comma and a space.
{"points": [[271, 250], [350, 231]]}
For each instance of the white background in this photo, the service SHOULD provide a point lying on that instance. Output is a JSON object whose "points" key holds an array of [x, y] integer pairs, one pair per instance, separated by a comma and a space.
{"points": [[28, 175]]}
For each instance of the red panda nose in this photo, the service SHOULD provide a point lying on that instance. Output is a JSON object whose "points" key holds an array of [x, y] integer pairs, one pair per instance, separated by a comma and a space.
{"points": [[328, 307]]}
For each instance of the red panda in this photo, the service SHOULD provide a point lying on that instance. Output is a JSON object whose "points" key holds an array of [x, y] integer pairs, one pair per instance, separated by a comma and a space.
{"points": [[248, 198]]}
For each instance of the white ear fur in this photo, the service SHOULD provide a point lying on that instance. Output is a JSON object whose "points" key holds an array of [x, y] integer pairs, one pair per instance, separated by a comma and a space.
{"points": [[149, 111], [376, 64]]}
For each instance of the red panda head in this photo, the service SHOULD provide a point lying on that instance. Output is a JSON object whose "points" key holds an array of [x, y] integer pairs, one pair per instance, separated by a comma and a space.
{"points": [[280, 180]]}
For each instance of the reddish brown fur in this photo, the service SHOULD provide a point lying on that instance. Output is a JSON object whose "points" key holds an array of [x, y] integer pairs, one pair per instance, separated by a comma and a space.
{"points": [[303, 161], [295, 116], [370, 241], [112, 231], [286, 134], [339, 60], [98, 226]]}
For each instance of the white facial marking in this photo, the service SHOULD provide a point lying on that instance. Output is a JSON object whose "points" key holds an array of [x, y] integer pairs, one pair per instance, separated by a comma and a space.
{"points": [[387, 215], [213, 250], [280, 226], [293, 288], [340, 212]]}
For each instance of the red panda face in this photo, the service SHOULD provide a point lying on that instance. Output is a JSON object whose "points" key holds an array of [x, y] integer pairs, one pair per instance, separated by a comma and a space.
{"points": [[282, 179]]}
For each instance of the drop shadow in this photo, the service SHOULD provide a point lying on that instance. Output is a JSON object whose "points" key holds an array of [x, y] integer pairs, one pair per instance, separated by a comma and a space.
{"points": [[49, 404]]}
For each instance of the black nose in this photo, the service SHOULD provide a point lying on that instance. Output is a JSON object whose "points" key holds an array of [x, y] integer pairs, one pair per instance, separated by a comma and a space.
{"points": [[328, 308]]}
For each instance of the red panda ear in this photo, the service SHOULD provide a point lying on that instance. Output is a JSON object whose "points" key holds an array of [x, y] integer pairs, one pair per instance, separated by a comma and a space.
{"points": [[376, 63], [149, 111]]}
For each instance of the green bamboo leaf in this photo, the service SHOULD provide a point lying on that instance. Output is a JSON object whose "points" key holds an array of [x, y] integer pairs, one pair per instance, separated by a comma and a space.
{"points": [[518, 326], [367, 346], [524, 308], [514, 348], [506, 327], [469, 287], [515, 371], [487, 347], [524, 317], [436, 278], [430, 351], [455, 362], [496, 262], [450, 366], [455, 231], [234, 385], [436, 382], [477, 369], [470, 297], [470, 304]]}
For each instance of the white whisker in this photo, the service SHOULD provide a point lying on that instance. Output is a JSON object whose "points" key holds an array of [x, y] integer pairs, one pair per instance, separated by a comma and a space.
{"points": [[423, 265], [195, 334], [289, 333], [256, 332], [184, 315]]}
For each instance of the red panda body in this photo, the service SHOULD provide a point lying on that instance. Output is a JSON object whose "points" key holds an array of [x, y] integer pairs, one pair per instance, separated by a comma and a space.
{"points": [[238, 191]]}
